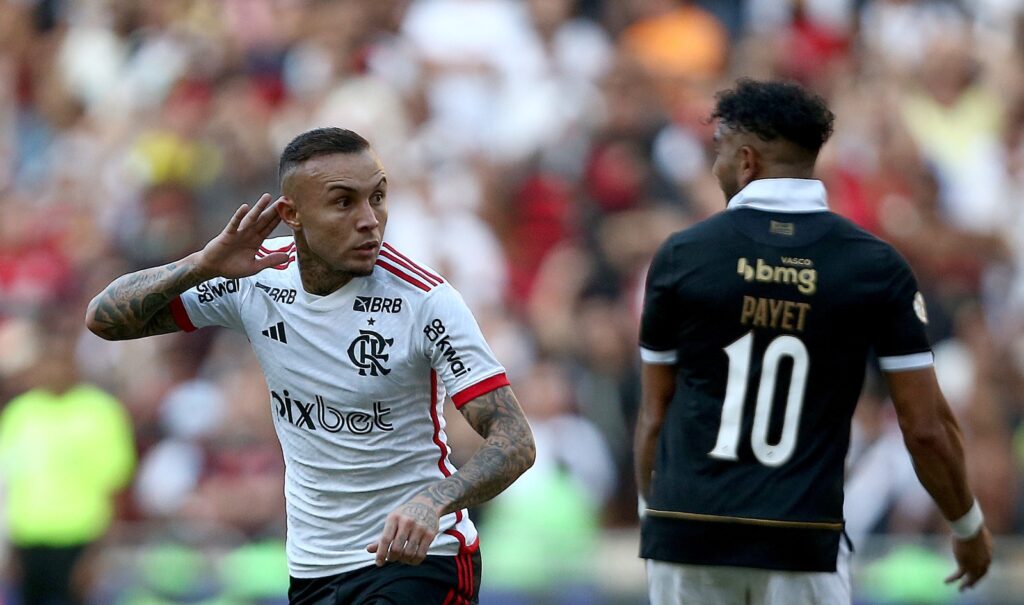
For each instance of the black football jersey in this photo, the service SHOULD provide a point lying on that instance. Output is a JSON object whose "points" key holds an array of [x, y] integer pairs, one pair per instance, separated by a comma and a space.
{"points": [[769, 318]]}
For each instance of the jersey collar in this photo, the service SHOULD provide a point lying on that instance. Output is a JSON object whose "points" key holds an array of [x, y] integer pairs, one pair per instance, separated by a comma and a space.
{"points": [[782, 195]]}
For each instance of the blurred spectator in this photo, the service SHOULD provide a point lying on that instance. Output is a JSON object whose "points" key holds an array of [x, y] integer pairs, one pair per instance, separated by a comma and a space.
{"points": [[66, 449], [545, 148], [676, 39]]}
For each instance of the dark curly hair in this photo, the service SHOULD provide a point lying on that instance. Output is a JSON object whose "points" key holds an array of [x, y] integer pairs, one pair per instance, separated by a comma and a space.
{"points": [[776, 110]]}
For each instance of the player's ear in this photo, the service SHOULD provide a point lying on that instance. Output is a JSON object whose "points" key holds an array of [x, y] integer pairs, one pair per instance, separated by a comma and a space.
{"points": [[288, 212], [749, 164]]}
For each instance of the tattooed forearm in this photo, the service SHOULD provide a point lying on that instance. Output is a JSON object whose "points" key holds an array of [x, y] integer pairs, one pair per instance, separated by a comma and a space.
{"points": [[507, 452], [135, 305]]}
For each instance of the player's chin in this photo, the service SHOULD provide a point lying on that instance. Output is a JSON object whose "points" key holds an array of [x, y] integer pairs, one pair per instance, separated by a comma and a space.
{"points": [[361, 268]]}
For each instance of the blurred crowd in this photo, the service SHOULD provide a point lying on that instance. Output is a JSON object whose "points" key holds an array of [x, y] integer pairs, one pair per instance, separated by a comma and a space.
{"points": [[538, 153]]}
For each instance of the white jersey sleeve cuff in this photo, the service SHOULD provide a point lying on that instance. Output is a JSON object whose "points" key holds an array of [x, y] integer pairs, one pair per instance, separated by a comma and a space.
{"points": [[901, 363], [657, 357]]}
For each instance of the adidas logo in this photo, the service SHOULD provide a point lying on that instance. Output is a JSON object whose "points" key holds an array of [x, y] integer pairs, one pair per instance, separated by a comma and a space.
{"points": [[276, 333]]}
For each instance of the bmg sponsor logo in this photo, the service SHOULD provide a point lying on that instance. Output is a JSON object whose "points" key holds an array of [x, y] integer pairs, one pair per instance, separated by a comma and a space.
{"points": [[805, 280], [209, 290], [318, 415], [377, 304], [435, 333]]}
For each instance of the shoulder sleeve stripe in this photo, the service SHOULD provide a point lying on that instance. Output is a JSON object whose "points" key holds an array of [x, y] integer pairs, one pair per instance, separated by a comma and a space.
{"points": [[409, 264], [658, 357], [180, 315], [264, 250], [481, 388], [289, 249], [408, 267], [402, 274], [914, 361]]}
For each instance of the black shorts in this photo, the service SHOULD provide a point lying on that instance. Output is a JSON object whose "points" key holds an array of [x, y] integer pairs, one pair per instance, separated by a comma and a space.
{"points": [[438, 580]]}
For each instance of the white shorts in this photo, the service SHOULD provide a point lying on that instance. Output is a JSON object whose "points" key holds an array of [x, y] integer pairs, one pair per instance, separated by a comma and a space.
{"points": [[679, 584]]}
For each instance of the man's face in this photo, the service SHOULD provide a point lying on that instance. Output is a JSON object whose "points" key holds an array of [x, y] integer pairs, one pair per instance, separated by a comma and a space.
{"points": [[727, 159], [340, 204]]}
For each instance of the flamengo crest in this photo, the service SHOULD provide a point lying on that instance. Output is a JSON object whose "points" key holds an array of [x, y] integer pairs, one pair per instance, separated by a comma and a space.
{"points": [[367, 351]]}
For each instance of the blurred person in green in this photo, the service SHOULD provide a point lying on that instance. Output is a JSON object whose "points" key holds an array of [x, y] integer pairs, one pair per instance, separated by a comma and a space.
{"points": [[66, 448]]}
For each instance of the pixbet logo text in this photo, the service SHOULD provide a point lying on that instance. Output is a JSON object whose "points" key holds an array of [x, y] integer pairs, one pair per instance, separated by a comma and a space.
{"points": [[317, 414]]}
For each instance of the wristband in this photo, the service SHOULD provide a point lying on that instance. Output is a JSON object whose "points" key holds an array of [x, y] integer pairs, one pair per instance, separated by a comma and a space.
{"points": [[968, 526], [641, 506]]}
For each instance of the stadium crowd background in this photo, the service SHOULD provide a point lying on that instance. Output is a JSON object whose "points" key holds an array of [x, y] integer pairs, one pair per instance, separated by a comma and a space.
{"points": [[538, 152]]}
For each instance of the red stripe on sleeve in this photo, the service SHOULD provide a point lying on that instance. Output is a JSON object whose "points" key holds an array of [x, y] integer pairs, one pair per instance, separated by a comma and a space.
{"points": [[180, 315], [481, 388], [402, 275]]}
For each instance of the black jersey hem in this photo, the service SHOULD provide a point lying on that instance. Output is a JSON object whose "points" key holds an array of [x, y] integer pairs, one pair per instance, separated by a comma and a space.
{"points": [[834, 526], [739, 545]]}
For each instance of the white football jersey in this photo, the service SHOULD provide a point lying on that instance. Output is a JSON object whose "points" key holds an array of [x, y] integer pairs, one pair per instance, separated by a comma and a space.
{"points": [[357, 383]]}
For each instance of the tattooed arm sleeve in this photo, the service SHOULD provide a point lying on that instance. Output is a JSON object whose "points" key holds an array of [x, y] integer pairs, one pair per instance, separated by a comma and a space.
{"points": [[137, 304], [508, 450]]}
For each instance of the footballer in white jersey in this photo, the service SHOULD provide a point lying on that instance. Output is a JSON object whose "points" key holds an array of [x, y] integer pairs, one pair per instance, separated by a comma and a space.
{"points": [[360, 346], [357, 384]]}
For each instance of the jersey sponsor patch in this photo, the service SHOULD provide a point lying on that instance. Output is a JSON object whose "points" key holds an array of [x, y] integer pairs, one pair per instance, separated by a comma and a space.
{"points": [[211, 290], [805, 280], [318, 415], [377, 304], [435, 333], [281, 295]]}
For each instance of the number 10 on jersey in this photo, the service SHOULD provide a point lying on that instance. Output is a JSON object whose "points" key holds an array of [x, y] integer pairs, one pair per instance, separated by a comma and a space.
{"points": [[739, 354]]}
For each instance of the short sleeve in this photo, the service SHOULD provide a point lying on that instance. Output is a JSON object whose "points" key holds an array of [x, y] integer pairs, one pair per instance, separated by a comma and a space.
{"points": [[901, 340], [659, 320], [212, 303], [457, 349]]}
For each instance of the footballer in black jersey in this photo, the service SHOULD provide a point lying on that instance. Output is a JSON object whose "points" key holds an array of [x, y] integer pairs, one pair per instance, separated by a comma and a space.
{"points": [[757, 326]]}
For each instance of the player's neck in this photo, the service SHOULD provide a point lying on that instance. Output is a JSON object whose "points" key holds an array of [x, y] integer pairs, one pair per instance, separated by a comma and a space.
{"points": [[317, 277], [787, 171], [322, 283]]}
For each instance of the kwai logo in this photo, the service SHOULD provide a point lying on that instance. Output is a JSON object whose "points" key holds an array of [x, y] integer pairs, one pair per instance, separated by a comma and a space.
{"points": [[317, 414], [210, 290], [433, 332]]}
